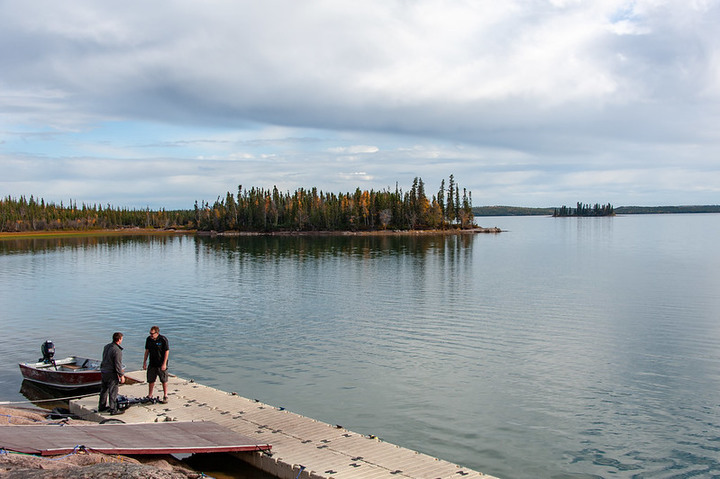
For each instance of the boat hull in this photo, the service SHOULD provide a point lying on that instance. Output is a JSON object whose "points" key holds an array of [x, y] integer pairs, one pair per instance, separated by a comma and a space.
{"points": [[68, 373]]}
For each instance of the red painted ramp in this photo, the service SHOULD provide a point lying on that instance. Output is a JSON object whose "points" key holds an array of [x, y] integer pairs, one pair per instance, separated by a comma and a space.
{"points": [[144, 438]]}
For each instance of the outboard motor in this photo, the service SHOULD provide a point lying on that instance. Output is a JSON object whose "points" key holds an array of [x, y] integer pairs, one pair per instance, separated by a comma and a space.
{"points": [[48, 352]]}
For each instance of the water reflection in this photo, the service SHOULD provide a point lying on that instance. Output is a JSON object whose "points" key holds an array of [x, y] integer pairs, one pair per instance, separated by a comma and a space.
{"points": [[48, 397], [45, 244], [256, 245], [562, 348], [319, 246]]}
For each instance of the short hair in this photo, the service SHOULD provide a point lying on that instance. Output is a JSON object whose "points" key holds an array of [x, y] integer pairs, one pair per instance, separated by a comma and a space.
{"points": [[117, 337], [155, 329]]}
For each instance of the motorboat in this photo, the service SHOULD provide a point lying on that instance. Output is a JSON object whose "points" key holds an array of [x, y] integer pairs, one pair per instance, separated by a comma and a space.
{"points": [[68, 373]]}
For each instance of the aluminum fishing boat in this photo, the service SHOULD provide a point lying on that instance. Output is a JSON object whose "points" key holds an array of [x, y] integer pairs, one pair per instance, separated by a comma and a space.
{"points": [[69, 373]]}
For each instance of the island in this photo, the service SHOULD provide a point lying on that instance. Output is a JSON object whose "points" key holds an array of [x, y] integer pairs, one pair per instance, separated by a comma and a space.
{"points": [[263, 211]]}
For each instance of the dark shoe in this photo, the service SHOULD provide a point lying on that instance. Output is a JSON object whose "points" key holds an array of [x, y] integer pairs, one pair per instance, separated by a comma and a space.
{"points": [[116, 412], [164, 400]]}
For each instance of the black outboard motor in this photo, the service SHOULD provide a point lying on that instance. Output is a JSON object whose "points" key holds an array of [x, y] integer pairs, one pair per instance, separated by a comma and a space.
{"points": [[48, 352]]}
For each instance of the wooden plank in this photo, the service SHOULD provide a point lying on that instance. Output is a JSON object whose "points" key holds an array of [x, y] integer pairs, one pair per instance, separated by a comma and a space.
{"points": [[143, 438]]}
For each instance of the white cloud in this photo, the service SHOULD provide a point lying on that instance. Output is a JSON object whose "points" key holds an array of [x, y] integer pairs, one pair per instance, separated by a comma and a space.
{"points": [[354, 149]]}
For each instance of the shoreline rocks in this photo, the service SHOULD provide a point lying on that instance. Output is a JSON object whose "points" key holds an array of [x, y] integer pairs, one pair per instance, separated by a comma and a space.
{"points": [[81, 464]]}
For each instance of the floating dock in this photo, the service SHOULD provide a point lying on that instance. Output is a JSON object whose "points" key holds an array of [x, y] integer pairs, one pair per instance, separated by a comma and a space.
{"points": [[302, 448], [130, 439]]}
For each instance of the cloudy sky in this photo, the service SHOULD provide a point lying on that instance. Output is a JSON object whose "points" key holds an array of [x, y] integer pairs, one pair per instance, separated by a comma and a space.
{"points": [[526, 102]]}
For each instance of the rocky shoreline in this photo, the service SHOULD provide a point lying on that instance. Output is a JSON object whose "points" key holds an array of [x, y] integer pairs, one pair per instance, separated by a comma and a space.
{"points": [[82, 463], [445, 232], [150, 231]]}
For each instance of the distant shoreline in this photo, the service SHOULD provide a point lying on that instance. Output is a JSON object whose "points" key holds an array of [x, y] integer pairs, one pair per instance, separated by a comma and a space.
{"points": [[481, 211], [152, 232]]}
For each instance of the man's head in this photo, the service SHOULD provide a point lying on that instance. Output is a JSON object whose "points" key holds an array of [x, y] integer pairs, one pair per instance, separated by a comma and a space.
{"points": [[154, 331], [117, 337]]}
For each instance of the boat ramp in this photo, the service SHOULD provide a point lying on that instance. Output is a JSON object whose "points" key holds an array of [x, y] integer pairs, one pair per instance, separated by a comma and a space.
{"points": [[301, 447]]}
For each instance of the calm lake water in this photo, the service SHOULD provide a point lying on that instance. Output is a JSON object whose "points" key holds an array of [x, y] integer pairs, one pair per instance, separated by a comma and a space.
{"points": [[561, 348]]}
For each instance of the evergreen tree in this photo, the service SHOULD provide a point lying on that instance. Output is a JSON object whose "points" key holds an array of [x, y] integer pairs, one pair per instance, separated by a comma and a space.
{"points": [[441, 198], [450, 208]]}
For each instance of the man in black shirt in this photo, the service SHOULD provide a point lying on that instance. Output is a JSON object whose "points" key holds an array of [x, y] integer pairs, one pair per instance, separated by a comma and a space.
{"points": [[112, 375], [157, 350]]}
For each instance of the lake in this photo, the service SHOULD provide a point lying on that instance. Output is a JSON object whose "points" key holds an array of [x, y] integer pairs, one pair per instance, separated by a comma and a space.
{"points": [[560, 348]]}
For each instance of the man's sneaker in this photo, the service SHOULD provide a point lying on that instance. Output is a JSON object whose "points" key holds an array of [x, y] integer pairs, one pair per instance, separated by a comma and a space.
{"points": [[164, 400]]}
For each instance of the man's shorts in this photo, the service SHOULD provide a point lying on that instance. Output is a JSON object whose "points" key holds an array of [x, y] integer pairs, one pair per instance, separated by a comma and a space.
{"points": [[154, 372]]}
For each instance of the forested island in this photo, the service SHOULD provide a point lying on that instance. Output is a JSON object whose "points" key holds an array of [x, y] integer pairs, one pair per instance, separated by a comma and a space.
{"points": [[585, 210], [262, 210]]}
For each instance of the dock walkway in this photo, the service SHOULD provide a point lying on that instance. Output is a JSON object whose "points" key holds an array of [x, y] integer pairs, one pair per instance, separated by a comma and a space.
{"points": [[302, 448]]}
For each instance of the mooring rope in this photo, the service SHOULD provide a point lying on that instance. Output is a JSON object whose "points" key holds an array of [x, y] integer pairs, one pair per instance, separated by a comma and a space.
{"points": [[5, 403], [74, 451]]}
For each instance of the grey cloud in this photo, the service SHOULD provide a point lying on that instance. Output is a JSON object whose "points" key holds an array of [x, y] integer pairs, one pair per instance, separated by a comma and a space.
{"points": [[292, 63], [568, 86]]}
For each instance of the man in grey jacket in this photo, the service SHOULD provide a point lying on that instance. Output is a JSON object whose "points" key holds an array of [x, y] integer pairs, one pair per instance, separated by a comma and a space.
{"points": [[112, 375]]}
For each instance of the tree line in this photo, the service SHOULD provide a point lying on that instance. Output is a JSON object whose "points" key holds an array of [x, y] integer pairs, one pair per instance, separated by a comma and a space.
{"points": [[23, 214], [640, 210], [261, 210], [265, 210], [585, 210], [498, 210]]}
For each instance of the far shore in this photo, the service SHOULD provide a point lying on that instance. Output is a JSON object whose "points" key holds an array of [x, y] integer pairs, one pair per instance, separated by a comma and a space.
{"points": [[152, 232]]}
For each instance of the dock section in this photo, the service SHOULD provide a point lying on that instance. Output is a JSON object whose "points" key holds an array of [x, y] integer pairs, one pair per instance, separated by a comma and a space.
{"points": [[302, 448], [130, 439]]}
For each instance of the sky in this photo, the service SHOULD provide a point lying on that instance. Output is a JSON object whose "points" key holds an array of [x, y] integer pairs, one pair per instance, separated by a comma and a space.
{"points": [[534, 103]]}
